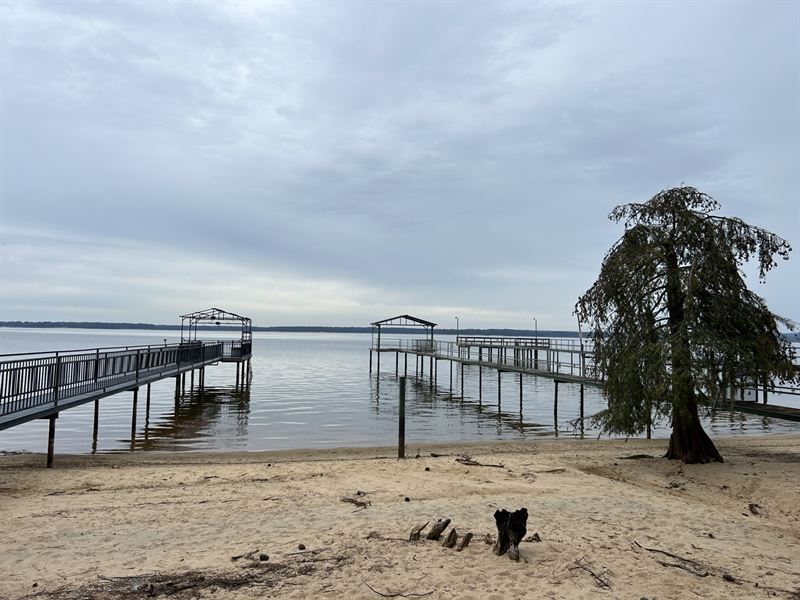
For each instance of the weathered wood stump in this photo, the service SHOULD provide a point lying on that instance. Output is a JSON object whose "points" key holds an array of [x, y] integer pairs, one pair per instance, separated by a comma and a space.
{"points": [[464, 542], [451, 539], [436, 531], [511, 529], [415, 533]]}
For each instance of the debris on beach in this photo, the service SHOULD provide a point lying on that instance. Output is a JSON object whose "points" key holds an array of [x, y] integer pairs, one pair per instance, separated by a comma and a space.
{"points": [[511, 529], [436, 531]]}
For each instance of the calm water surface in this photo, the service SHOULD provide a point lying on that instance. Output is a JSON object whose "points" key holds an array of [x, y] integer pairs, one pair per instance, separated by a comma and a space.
{"points": [[315, 391]]}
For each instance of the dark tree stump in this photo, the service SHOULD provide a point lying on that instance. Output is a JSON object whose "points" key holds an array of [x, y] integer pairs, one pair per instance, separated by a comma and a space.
{"points": [[436, 531], [502, 543], [517, 528], [451, 539], [511, 529], [464, 542]]}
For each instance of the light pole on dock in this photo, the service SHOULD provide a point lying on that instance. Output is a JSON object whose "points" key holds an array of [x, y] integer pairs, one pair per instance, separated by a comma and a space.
{"points": [[457, 330], [536, 329]]}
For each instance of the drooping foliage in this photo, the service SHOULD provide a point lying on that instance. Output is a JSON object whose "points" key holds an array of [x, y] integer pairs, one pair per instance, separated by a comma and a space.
{"points": [[673, 321]]}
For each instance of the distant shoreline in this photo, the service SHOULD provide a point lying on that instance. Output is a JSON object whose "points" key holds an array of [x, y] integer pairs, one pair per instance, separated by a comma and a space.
{"points": [[277, 328], [545, 333]]}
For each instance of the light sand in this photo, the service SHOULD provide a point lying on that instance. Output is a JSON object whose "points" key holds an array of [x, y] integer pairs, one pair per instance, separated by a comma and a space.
{"points": [[85, 528]]}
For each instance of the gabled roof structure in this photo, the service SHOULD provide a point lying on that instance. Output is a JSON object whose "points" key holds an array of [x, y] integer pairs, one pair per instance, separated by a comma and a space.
{"points": [[213, 316], [403, 321]]}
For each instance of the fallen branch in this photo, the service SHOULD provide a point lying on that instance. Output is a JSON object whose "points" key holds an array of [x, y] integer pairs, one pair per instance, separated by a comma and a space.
{"points": [[359, 503], [687, 564], [398, 594], [467, 460], [600, 579]]}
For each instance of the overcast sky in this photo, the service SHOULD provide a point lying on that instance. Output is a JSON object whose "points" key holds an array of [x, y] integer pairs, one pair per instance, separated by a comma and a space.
{"points": [[335, 163]]}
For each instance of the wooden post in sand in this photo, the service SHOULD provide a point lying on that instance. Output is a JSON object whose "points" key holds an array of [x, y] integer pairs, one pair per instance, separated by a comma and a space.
{"points": [[555, 408], [401, 426]]}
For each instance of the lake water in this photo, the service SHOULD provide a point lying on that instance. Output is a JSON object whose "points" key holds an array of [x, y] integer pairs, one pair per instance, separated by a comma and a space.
{"points": [[313, 390]]}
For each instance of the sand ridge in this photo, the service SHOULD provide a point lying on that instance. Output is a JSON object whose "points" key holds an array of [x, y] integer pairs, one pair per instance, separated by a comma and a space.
{"points": [[96, 526]]}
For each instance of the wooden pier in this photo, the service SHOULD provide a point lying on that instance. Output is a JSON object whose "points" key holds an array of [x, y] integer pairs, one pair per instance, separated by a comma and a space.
{"points": [[560, 359], [40, 385]]}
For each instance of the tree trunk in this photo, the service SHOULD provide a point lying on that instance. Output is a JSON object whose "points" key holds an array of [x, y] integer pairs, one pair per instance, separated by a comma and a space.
{"points": [[689, 442]]}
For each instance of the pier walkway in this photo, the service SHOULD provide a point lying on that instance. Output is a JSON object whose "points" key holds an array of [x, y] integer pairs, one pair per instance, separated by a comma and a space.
{"points": [[564, 360], [40, 385]]}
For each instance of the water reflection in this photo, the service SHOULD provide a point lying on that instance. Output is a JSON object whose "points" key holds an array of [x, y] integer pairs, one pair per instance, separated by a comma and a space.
{"points": [[198, 413]]}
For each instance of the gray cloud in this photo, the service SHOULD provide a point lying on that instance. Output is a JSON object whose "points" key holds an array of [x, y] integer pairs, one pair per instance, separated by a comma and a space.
{"points": [[372, 157]]}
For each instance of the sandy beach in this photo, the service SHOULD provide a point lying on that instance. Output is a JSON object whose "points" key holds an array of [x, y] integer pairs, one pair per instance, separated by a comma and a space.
{"points": [[614, 520]]}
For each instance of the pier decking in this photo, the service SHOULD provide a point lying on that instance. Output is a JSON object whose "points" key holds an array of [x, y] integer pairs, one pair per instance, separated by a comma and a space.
{"points": [[40, 385], [559, 359], [37, 385]]}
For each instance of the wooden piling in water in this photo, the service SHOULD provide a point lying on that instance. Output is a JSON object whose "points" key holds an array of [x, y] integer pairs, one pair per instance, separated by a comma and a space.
{"points": [[133, 413], [95, 425], [401, 424], [555, 407], [51, 440]]}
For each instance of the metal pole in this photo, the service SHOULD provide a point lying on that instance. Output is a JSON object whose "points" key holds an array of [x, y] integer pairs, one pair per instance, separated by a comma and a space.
{"points": [[581, 410], [498, 390], [379, 349], [401, 426], [520, 392]]}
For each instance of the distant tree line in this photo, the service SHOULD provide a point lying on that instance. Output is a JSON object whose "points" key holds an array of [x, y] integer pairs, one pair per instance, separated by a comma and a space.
{"points": [[279, 328]]}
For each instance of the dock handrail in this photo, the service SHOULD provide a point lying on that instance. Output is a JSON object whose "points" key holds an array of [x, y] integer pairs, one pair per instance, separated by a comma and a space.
{"points": [[43, 379]]}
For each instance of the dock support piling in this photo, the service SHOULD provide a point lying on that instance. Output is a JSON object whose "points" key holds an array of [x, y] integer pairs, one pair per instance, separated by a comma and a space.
{"points": [[147, 407], [480, 384], [191, 382], [498, 390], [396, 364], [95, 424], [405, 364], [462, 381], [520, 393], [555, 407], [581, 410], [451, 377], [401, 425], [133, 414], [51, 440], [370, 360], [177, 387]]}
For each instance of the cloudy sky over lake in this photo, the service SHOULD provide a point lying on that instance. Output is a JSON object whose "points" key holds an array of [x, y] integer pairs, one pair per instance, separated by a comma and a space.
{"points": [[340, 162]]}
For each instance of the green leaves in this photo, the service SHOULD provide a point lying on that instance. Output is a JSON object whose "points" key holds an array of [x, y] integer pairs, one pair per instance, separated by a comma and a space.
{"points": [[670, 313]]}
